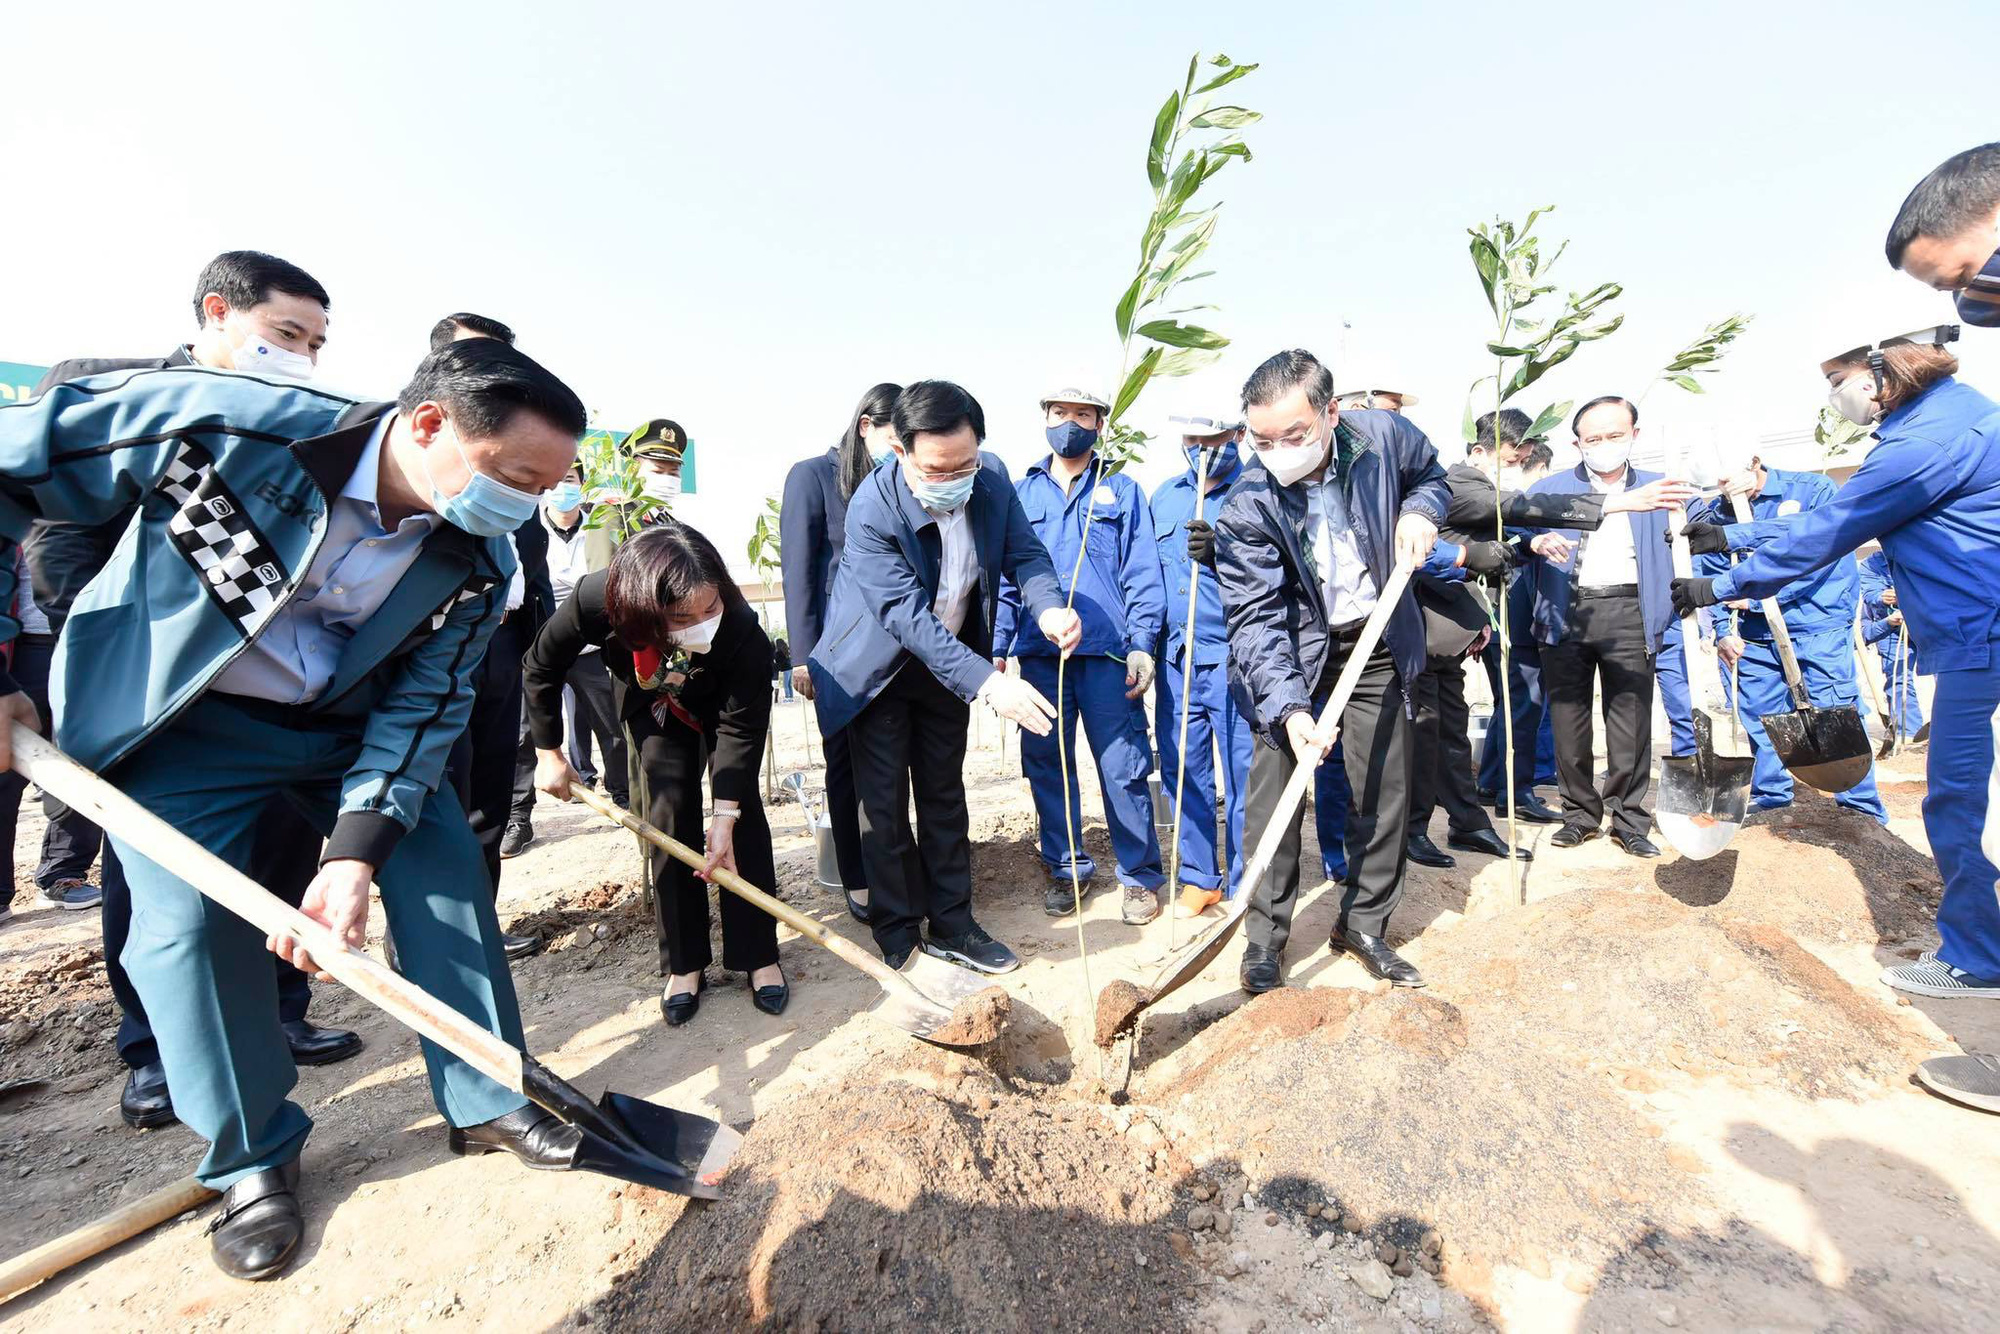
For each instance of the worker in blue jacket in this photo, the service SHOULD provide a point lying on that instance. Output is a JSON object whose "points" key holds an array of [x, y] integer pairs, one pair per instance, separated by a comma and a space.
{"points": [[1929, 492], [1185, 543], [1882, 625], [1818, 611], [298, 610], [1122, 600]]}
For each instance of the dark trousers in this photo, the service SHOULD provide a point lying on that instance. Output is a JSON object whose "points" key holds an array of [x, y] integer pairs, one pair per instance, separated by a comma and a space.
{"points": [[673, 756], [910, 740], [1533, 764], [1607, 644], [596, 715], [1375, 738], [843, 810], [1442, 747], [284, 857], [484, 758], [32, 655]]}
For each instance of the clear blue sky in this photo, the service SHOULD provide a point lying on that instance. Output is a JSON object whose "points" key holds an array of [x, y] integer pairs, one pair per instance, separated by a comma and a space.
{"points": [[741, 216]]}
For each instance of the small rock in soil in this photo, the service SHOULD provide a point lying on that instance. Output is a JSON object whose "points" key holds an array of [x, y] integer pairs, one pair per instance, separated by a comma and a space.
{"points": [[1372, 1278]]}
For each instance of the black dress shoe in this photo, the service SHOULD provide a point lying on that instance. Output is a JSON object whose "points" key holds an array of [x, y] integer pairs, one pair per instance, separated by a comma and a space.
{"points": [[1263, 969], [146, 1104], [1426, 853], [772, 999], [859, 911], [254, 1234], [679, 1009], [1377, 958], [540, 1139], [519, 947], [1572, 835], [1488, 842], [1528, 809], [319, 1046], [1487, 796], [897, 958], [1638, 845]]}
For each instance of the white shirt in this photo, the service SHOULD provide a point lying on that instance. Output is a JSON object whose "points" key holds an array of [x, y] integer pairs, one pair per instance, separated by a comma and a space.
{"points": [[958, 570], [1608, 558], [568, 560], [1346, 580]]}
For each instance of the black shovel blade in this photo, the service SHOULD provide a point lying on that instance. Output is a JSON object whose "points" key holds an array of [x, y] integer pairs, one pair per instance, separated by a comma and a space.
{"points": [[1825, 748], [636, 1140]]}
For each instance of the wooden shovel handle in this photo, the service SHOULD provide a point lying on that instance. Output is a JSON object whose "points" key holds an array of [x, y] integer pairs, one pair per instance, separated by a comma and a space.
{"points": [[121, 1224], [161, 843], [743, 889]]}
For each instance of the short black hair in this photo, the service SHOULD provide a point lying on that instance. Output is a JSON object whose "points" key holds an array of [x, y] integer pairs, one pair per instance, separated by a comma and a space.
{"points": [[654, 572], [1287, 371], [483, 382], [1961, 192], [246, 278], [1539, 455], [936, 407], [1514, 427], [1599, 402], [446, 329]]}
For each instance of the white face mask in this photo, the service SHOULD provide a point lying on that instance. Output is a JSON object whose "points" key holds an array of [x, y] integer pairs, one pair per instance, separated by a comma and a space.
{"points": [[664, 487], [1853, 400], [1607, 458], [699, 637], [1288, 463], [263, 357]]}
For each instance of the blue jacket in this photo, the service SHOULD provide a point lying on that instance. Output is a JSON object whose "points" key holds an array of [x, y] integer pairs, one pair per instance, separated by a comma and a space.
{"points": [[1119, 593], [1820, 603], [812, 528], [1173, 507], [234, 474], [1553, 587], [1930, 492], [880, 616], [1273, 603]]}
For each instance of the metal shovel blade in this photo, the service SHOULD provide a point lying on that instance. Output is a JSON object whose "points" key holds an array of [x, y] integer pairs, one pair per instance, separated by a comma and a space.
{"points": [[1187, 962], [635, 1140], [926, 1006], [1703, 796], [1826, 748]]}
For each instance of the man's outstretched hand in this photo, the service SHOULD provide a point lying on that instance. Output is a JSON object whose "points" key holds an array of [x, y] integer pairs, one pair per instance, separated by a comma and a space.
{"points": [[15, 708]]}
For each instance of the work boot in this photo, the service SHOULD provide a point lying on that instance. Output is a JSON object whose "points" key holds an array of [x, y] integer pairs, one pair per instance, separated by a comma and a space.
{"points": [[1141, 906], [254, 1234], [540, 1139]]}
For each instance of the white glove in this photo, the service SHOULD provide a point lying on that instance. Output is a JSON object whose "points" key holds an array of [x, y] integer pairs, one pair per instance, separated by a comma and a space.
{"points": [[1138, 673], [1013, 698]]}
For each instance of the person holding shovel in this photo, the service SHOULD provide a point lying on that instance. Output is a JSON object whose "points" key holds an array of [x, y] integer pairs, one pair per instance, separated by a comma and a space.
{"points": [[692, 668], [1883, 626], [296, 613]]}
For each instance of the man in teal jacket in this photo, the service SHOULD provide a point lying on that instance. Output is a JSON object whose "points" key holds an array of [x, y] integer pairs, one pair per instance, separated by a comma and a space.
{"points": [[297, 610]]}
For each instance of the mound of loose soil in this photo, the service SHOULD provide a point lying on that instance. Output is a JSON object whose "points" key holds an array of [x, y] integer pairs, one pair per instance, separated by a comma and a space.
{"points": [[914, 1200], [56, 1018], [1645, 984]]}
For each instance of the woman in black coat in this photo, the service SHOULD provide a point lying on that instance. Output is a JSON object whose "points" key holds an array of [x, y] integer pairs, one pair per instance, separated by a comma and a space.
{"points": [[691, 673], [813, 523]]}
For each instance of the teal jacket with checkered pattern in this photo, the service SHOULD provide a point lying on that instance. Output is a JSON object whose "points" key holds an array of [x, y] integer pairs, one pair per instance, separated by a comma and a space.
{"points": [[233, 475]]}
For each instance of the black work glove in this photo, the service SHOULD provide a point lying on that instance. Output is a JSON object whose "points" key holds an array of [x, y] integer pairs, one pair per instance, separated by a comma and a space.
{"points": [[1489, 559], [1201, 542], [1690, 594], [1704, 539]]}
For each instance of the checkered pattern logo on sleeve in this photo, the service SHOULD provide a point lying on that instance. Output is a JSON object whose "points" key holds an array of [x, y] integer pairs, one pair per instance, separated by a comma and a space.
{"points": [[476, 586], [237, 565]]}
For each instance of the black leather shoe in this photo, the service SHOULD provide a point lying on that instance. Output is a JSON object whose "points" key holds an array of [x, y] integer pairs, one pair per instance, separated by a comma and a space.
{"points": [[897, 958], [1377, 958], [258, 1228], [1488, 842], [1487, 796], [1263, 969], [679, 1009], [1572, 835], [1638, 845], [146, 1104], [520, 947], [1426, 853], [1528, 809], [312, 1045], [772, 999], [858, 910], [539, 1139]]}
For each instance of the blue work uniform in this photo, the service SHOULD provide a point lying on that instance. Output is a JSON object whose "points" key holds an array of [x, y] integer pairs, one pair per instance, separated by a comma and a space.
{"points": [[1213, 719], [1122, 601], [1930, 492], [1898, 654], [1819, 613], [1676, 701], [1531, 705]]}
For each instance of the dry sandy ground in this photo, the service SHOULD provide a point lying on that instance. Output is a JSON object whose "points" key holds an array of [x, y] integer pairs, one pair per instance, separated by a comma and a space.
{"points": [[1656, 1096]]}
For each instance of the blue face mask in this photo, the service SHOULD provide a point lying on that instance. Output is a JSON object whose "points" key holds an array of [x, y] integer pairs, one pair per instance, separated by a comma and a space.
{"points": [[485, 508], [566, 497], [1979, 303], [940, 497], [1072, 441]]}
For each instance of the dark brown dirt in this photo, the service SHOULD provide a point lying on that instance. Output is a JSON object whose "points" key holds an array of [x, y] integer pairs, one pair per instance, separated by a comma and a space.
{"points": [[976, 1020], [1117, 1005], [56, 1019]]}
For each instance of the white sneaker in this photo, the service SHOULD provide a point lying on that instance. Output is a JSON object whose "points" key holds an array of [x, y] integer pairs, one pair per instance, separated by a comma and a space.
{"points": [[1935, 977]]}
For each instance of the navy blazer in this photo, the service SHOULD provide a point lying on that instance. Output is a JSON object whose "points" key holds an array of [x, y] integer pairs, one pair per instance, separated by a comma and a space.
{"points": [[880, 614], [1273, 603], [1554, 589], [812, 527]]}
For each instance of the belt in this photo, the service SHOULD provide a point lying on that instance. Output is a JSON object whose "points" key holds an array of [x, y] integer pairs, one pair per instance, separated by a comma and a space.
{"points": [[295, 717], [1608, 591]]}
